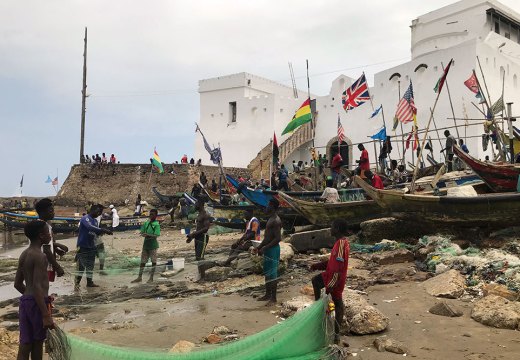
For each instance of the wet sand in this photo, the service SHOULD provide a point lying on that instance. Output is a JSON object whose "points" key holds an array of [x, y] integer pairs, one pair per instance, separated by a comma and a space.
{"points": [[156, 316]]}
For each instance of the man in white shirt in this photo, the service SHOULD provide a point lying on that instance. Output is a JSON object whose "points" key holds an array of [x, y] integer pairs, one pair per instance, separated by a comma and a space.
{"points": [[330, 194], [115, 217]]}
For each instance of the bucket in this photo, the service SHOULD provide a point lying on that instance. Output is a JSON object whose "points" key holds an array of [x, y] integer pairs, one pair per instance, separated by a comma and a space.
{"points": [[177, 263], [185, 231]]}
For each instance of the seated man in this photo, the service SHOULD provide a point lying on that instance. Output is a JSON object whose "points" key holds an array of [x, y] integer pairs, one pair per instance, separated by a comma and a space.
{"points": [[244, 243], [330, 194], [375, 179]]}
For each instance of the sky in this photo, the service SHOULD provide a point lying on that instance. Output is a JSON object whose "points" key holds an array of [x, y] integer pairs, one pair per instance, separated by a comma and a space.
{"points": [[145, 59]]}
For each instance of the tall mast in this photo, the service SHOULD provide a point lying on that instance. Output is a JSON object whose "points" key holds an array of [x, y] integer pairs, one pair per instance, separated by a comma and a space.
{"points": [[83, 98]]}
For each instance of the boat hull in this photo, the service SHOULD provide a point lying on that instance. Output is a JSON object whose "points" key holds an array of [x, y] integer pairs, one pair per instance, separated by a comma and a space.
{"points": [[499, 178], [481, 210], [322, 214]]}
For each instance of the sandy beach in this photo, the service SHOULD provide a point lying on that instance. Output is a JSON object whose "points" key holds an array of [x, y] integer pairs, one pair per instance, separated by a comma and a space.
{"points": [[156, 316]]}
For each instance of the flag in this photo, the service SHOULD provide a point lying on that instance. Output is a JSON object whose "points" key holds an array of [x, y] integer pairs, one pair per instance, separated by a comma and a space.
{"points": [[341, 132], [442, 79], [406, 109], [55, 181], [374, 114], [156, 161], [276, 151], [356, 94], [49, 180], [498, 106], [21, 182], [215, 155], [472, 83], [396, 121], [380, 135], [415, 140], [302, 116]]}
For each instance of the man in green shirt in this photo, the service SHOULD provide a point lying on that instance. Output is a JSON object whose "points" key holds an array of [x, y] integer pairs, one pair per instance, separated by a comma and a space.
{"points": [[150, 230]]}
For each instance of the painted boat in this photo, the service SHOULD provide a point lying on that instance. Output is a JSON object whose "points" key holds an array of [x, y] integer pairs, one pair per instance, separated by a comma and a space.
{"points": [[166, 199], [322, 214], [499, 177], [69, 224], [497, 209]]}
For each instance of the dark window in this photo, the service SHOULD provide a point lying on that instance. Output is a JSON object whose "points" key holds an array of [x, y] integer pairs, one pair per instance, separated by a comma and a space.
{"points": [[233, 111], [507, 35], [497, 27]]}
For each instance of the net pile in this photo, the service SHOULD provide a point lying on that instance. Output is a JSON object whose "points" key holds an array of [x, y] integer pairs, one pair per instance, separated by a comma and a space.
{"points": [[303, 336]]}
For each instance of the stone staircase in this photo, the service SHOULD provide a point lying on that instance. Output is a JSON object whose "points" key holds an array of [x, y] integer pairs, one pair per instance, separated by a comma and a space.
{"points": [[259, 166]]}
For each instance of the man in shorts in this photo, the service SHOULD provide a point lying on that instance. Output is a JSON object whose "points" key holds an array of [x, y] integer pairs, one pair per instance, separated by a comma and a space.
{"points": [[150, 230], [32, 282]]}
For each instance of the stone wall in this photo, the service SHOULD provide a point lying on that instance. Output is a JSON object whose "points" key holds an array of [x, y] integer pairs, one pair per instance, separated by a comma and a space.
{"points": [[114, 184]]}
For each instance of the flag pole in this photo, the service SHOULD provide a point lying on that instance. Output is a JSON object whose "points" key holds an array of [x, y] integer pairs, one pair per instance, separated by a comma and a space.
{"points": [[375, 148], [312, 123], [437, 131], [398, 150], [451, 103], [402, 129], [415, 170]]}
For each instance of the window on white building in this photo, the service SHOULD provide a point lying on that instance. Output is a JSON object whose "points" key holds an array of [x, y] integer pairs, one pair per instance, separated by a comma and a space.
{"points": [[281, 110], [515, 81], [497, 27], [233, 112]]}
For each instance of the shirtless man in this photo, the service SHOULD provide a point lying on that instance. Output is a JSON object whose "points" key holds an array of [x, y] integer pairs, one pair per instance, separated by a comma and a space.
{"points": [[200, 235], [45, 210], [270, 249], [32, 282]]}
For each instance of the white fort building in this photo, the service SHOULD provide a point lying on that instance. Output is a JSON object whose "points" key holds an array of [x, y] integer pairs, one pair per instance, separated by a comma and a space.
{"points": [[241, 111]]}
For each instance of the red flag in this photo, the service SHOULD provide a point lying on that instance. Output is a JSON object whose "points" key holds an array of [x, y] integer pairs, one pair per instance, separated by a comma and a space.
{"points": [[472, 83], [276, 151]]}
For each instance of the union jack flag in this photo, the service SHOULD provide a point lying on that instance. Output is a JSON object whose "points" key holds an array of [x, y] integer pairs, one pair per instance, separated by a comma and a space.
{"points": [[356, 94]]}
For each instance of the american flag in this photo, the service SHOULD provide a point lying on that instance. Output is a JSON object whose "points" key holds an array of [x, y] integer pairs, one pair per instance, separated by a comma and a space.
{"points": [[55, 181], [406, 109], [356, 94], [341, 132]]}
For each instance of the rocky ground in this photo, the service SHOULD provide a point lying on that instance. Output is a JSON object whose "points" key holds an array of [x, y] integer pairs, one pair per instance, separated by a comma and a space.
{"points": [[441, 297]]}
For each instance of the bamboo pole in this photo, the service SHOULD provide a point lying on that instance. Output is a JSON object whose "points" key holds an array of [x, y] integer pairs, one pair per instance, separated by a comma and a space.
{"points": [[83, 99], [451, 103], [412, 187], [312, 124]]}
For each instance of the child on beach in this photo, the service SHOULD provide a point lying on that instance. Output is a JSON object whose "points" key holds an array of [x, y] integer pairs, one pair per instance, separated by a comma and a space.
{"points": [[150, 230], [32, 282], [335, 275]]}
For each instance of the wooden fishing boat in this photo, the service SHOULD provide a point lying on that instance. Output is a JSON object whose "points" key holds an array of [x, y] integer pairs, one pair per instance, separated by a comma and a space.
{"points": [[499, 177], [70, 224], [500, 209], [322, 214], [167, 199]]}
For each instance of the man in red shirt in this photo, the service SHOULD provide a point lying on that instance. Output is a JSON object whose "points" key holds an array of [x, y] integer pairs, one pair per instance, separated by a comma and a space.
{"points": [[375, 179], [335, 275], [364, 162], [337, 161]]}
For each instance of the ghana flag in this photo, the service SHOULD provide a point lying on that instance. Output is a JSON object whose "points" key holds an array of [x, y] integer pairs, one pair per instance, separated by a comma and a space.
{"points": [[156, 161], [303, 115]]}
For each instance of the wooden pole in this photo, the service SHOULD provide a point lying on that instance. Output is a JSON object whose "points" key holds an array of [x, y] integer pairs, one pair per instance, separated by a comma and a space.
{"points": [[83, 100], [451, 104], [312, 124], [485, 84], [511, 135], [402, 129], [437, 131], [415, 170]]}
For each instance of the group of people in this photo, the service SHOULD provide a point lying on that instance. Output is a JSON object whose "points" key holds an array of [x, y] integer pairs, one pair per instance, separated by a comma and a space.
{"points": [[184, 160], [99, 161]]}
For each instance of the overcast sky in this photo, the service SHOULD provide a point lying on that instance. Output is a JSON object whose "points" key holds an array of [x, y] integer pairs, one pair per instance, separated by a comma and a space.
{"points": [[144, 62]]}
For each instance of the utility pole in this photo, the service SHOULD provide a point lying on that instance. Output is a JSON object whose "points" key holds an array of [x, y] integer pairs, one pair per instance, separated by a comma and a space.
{"points": [[83, 99]]}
